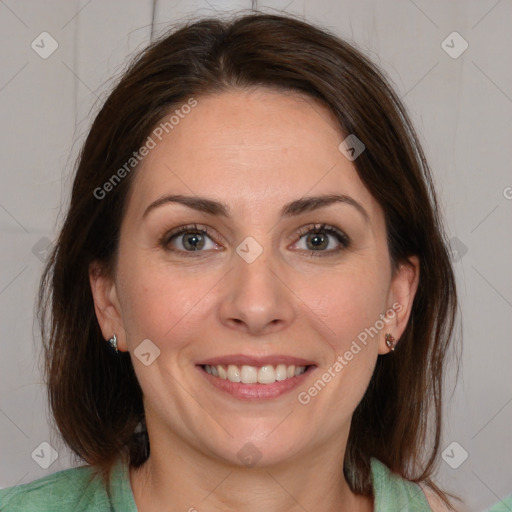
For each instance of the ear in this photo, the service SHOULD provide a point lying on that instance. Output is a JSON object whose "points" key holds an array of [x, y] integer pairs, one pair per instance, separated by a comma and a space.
{"points": [[106, 305], [402, 291]]}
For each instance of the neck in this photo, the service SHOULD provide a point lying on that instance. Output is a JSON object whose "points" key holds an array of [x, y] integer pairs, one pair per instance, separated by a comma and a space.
{"points": [[178, 477]]}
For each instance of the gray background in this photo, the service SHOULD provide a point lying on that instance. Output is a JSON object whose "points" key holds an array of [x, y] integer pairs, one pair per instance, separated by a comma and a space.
{"points": [[462, 108]]}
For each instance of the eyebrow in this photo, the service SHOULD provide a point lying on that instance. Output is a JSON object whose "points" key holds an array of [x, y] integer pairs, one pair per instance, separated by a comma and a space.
{"points": [[297, 207]]}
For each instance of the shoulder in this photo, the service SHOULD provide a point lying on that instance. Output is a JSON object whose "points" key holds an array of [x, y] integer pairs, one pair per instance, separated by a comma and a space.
{"points": [[505, 505], [70, 489], [393, 492]]}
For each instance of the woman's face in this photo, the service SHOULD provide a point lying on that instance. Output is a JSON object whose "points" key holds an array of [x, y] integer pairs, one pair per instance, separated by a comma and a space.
{"points": [[266, 282]]}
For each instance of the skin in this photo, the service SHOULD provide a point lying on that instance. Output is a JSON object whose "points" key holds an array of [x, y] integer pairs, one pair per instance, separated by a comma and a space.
{"points": [[254, 151]]}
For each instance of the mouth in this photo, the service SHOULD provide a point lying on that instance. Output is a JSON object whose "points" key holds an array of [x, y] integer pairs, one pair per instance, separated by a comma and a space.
{"points": [[256, 381], [246, 374]]}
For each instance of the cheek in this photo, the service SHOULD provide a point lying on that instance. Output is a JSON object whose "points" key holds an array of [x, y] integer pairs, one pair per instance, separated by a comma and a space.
{"points": [[156, 301], [348, 302], [354, 303]]}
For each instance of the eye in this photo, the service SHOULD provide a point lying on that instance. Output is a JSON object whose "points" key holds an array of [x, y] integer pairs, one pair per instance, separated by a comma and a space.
{"points": [[188, 240], [318, 237]]}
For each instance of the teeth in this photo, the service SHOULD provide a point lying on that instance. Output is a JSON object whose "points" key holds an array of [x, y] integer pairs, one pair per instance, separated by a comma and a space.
{"points": [[267, 374], [249, 375], [223, 374], [233, 373], [281, 372]]}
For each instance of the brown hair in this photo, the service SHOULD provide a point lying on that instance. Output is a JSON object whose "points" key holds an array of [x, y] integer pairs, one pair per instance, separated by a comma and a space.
{"points": [[94, 395]]}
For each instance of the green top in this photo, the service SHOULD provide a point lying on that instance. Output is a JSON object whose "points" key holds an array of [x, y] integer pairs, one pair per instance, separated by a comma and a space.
{"points": [[74, 490]]}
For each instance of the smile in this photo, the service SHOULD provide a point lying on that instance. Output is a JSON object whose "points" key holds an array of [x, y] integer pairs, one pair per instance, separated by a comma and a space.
{"points": [[245, 374], [255, 383]]}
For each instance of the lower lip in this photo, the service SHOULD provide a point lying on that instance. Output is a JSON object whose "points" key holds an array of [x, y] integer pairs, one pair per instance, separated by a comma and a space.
{"points": [[257, 391]]}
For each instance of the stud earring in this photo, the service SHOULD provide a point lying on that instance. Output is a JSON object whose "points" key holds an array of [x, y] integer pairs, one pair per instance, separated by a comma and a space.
{"points": [[113, 343], [390, 341]]}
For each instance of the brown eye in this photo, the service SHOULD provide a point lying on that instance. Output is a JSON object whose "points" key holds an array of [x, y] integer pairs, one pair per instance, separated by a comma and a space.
{"points": [[189, 239], [192, 241], [323, 240], [317, 241]]}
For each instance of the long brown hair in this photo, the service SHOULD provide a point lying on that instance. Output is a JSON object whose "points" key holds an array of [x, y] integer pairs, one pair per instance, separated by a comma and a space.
{"points": [[93, 393]]}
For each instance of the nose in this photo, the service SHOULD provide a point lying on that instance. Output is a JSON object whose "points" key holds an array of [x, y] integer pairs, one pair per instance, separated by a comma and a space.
{"points": [[257, 299]]}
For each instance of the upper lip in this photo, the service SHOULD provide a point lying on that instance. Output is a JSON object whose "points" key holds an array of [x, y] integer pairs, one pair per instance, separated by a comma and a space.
{"points": [[241, 359]]}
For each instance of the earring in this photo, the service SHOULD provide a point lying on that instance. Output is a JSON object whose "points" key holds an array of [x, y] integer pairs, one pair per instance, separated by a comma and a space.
{"points": [[113, 343], [390, 341]]}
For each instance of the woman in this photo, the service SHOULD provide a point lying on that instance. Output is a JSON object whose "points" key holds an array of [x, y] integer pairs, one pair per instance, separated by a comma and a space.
{"points": [[251, 300]]}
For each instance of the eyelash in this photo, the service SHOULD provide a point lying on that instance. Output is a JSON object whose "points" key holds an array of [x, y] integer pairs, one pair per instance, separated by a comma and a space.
{"points": [[341, 237]]}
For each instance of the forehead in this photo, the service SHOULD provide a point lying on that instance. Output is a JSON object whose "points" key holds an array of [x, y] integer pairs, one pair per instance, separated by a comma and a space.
{"points": [[251, 149]]}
